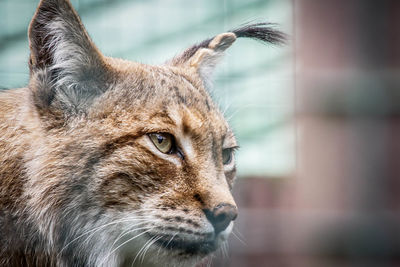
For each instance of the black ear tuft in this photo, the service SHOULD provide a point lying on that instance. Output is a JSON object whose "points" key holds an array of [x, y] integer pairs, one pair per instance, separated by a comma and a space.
{"points": [[262, 31], [203, 57]]}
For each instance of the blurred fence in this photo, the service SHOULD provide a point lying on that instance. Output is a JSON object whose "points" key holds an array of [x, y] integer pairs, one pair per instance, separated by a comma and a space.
{"points": [[342, 206]]}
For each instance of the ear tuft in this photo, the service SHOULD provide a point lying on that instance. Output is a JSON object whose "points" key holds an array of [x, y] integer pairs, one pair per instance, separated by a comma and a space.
{"points": [[203, 57], [262, 31]]}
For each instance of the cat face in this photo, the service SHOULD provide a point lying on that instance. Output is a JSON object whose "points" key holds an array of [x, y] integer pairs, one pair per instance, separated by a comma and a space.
{"points": [[152, 165], [135, 162], [169, 166]]}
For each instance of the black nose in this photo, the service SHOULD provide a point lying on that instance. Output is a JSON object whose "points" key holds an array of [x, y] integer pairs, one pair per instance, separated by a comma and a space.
{"points": [[221, 216]]}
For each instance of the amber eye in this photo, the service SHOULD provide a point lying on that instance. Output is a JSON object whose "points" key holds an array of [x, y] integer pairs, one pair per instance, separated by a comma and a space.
{"points": [[227, 156], [163, 141]]}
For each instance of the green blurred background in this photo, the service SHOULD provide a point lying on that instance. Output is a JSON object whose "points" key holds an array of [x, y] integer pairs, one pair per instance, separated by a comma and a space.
{"points": [[254, 84]]}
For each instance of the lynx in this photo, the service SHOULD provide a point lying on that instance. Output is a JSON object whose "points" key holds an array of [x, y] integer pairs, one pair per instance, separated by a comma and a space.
{"points": [[106, 162]]}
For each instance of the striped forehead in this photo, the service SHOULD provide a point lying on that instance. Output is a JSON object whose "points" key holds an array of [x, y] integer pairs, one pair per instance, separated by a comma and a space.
{"points": [[195, 123], [185, 108], [199, 132]]}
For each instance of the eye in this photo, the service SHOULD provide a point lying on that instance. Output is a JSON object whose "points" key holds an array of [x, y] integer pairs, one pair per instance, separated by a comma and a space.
{"points": [[227, 155], [163, 142]]}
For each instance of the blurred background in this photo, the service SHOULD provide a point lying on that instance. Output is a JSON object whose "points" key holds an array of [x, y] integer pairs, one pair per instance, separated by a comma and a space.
{"points": [[317, 120]]}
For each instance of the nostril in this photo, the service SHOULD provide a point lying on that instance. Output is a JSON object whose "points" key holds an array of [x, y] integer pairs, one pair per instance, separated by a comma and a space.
{"points": [[221, 216], [198, 198]]}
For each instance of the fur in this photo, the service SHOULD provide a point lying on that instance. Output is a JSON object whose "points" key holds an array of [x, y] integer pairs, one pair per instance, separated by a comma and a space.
{"points": [[81, 182]]}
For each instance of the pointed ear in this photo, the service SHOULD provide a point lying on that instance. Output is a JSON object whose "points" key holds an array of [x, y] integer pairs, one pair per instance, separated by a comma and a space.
{"points": [[63, 57], [204, 57]]}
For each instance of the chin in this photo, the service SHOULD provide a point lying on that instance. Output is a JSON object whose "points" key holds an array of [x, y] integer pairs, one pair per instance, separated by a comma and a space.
{"points": [[180, 250]]}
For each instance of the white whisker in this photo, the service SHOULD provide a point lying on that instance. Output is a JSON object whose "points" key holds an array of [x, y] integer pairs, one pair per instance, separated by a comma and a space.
{"points": [[238, 238], [96, 229], [148, 246], [140, 251], [126, 232], [129, 240], [209, 261]]}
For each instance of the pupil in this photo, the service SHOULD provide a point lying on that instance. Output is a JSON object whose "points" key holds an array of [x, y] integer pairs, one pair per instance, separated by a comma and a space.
{"points": [[226, 156], [160, 139]]}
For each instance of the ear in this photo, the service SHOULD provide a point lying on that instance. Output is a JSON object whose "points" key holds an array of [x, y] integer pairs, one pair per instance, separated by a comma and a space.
{"points": [[205, 60], [204, 57], [63, 58]]}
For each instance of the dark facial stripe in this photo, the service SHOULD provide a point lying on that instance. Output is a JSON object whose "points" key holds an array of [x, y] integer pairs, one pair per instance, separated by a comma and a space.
{"points": [[180, 98], [215, 150], [164, 117], [109, 147]]}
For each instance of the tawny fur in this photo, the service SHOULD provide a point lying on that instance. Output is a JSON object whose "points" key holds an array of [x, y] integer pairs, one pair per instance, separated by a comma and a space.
{"points": [[81, 183]]}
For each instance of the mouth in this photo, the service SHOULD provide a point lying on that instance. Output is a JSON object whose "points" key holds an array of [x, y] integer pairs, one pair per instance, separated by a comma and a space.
{"points": [[190, 247]]}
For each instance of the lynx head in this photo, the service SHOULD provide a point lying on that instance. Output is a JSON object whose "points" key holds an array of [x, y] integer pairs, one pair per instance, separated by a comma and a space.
{"points": [[136, 162]]}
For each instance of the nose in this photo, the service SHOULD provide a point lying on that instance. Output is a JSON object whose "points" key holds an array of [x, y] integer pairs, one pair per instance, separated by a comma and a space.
{"points": [[221, 216]]}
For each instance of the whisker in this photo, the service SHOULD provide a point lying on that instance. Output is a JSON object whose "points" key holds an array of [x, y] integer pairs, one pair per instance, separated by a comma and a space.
{"points": [[238, 238], [129, 240], [124, 233], [240, 109], [226, 249], [148, 247], [140, 251], [239, 233], [222, 250], [209, 261], [94, 230], [159, 249], [134, 225], [172, 238]]}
